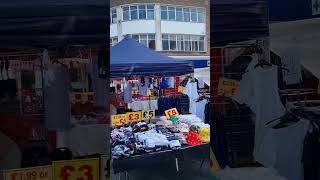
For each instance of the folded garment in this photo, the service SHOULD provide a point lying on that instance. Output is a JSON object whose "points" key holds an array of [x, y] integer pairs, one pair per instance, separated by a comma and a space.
{"points": [[175, 144], [181, 138]]}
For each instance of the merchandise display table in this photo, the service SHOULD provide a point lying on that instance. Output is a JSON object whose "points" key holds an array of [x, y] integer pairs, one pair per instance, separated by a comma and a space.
{"points": [[200, 152]]}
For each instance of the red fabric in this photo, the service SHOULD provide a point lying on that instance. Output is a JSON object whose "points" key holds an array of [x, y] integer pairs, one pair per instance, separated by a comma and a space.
{"points": [[193, 139]]}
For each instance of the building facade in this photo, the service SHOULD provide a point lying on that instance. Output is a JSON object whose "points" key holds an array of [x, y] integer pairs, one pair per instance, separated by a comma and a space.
{"points": [[176, 28]]}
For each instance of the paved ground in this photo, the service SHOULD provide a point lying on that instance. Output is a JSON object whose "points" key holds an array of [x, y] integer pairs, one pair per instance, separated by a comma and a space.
{"points": [[189, 170]]}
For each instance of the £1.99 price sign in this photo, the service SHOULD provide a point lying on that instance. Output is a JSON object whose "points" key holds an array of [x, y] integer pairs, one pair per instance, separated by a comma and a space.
{"points": [[133, 116], [148, 114], [118, 120], [171, 112], [35, 173], [82, 169]]}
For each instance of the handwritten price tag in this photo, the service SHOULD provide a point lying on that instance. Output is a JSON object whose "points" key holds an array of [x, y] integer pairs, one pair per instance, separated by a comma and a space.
{"points": [[227, 87], [133, 116], [118, 120], [171, 112], [36, 173], [82, 169], [149, 114]]}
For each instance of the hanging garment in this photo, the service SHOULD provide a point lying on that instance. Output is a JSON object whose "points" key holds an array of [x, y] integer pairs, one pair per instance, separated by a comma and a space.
{"points": [[192, 92], [143, 87], [200, 111], [259, 90], [282, 150], [170, 81], [57, 101], [127, 92]]}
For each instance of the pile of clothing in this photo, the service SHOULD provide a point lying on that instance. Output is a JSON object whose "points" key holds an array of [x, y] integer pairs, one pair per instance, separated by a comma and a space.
{"points": [[165, 134]]}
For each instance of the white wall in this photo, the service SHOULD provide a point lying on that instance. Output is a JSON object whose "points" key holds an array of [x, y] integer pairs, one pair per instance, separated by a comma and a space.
{"points": [[174, 27], [138, 27], [113, 30]]}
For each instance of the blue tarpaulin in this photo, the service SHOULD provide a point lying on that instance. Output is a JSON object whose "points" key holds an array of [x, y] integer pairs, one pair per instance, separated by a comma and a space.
{"points": [[49, 23], [129, 57]]}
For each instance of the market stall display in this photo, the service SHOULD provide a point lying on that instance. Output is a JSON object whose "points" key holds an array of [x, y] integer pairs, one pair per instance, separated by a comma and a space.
{"points": [[141, 78]]}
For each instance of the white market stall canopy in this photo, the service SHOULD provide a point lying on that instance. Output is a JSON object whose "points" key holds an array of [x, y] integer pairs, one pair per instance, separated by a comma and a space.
{"points": [[304, 36]]}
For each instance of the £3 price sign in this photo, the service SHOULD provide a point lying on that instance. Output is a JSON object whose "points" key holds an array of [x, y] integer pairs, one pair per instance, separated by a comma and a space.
{"points": [[171, 112], [118, 120], [35, 173], [83, 169], [133, 116], [149, 114]]}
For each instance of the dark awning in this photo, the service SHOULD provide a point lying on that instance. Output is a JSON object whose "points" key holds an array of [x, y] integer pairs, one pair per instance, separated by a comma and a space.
{"points": [[46, 23], [238, 20]]}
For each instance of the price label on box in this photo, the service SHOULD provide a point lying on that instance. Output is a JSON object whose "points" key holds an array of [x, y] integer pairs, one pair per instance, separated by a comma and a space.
{"points": [[118, 120], [171, 112], [82, 169], [148, 114], [134, 116], [35, 173]]}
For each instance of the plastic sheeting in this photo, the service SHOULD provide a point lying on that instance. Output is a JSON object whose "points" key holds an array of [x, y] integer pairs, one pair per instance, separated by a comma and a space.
{"points": [[238, 20], [302, 35], [129, 58], [44, 23]]}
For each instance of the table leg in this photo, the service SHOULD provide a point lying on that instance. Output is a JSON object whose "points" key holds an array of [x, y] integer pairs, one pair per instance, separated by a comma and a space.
{"points": [[177, 165]]}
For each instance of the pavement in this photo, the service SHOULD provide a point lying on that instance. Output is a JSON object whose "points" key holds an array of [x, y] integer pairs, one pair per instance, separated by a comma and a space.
{"points": [[188, 170]]}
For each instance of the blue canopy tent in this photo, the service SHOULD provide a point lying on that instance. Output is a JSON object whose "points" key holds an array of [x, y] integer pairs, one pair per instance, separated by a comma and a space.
{"points": [[129, 57], [49, 23]]}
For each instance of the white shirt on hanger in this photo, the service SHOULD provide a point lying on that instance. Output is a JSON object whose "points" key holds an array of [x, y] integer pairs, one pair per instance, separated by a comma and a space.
{"points": [[201, 106], [259, 90], [191, 90]]}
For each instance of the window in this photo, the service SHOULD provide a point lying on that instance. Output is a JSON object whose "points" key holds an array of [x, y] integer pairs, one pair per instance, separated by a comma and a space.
{"points": [[179, 14], [126, 13], [194, 15], [164, 12], [201, 15], [182, 14], [148, 40], [113, 15], [172, 13], [150, 11], [186, 14], [135, 12], [142, 12], [113, 41], [165, 42], [189, 43]]}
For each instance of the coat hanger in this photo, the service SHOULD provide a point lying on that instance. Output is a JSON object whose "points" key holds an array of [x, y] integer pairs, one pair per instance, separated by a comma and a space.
{"points": [[262, 62]]}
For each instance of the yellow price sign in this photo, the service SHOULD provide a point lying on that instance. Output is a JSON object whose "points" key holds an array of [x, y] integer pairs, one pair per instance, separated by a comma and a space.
{"points": [[82, 169], [134, 116], [105, 167], [227, 87], [34, 173], [148, 114], [118, 120], [171, 112]]}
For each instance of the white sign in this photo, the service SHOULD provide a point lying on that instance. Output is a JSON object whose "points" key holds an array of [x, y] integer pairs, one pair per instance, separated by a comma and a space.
{"points": [[290, 59]]}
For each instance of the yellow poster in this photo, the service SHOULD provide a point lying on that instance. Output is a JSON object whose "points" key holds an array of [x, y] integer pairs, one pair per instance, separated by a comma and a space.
{"points": [[34, 173], [227, 87], [82, 169]]}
